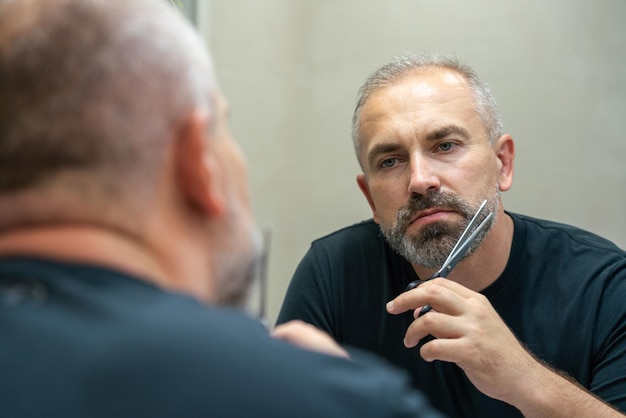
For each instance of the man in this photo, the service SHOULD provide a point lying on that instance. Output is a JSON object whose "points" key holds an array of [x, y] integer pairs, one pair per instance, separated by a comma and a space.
{"points": [[125, 224], [532, 321]]}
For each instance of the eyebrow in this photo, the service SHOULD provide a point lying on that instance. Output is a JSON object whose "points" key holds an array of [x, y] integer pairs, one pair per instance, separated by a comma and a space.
{"points": [[382, 148], [446, 131]]}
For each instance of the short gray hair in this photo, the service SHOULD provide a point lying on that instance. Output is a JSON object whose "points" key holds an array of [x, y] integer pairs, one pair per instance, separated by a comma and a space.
{"points": [[92, 90], [402, 66]]}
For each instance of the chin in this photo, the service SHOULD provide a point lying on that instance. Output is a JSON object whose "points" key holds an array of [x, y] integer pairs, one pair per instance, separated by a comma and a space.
{"points": [[239, 299], [237, 269]]}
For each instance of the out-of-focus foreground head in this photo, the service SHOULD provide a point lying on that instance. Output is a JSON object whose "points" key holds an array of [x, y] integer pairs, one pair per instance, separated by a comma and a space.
{"points": [[97, 98], [92, 91], [406, 65]]}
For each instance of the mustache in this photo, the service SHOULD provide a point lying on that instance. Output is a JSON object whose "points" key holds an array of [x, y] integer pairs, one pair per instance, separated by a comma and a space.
{"points": [[420, 203]]}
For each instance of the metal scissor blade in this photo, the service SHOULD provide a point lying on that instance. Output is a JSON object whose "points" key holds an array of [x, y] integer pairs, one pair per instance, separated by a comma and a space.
{"points": [[457, 255], [460, 248], [463, 236]]}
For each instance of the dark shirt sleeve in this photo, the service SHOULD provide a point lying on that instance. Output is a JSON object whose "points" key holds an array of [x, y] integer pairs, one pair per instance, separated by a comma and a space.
{"points": [[308, 296], [609, 368]]}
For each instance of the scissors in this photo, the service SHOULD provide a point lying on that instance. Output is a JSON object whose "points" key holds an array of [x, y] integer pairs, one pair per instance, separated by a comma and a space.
{"points": [[457, 253]]}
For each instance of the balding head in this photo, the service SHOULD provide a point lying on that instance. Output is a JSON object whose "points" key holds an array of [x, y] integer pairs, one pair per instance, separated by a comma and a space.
{"points": [[92, 93]]}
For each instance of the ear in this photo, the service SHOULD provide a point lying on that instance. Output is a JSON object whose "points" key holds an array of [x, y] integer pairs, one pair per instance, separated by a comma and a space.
{"points": [[196, 167], [362, 182], [505, 153]]}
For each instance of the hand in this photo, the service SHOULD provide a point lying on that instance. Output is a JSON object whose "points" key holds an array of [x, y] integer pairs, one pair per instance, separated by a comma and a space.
{"points": [[309, 337], [468, 332]]}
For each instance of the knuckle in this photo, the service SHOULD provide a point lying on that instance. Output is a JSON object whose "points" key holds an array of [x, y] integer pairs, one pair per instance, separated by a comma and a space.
{"points": [[481, 298], [434, 291], [481, 306], [429, 321], [432, 350], [439, 280]]}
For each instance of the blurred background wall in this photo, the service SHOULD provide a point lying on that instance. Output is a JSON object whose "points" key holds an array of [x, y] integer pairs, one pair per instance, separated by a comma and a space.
{"points": [[291, 70]]}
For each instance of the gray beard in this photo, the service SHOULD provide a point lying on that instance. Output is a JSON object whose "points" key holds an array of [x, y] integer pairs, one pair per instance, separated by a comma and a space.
{"points": [[237, 264], [431, 246]]}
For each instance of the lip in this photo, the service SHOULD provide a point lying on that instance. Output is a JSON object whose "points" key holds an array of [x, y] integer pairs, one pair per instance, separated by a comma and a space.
{"points": [[430, 215]]}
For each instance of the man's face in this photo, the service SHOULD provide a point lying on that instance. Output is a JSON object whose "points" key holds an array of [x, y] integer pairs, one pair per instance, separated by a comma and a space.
{"points": [[427, 163], [239, 254]]}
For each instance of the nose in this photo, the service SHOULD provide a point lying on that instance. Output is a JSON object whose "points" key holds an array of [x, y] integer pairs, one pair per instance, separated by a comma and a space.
{"points": [[423, 180]]}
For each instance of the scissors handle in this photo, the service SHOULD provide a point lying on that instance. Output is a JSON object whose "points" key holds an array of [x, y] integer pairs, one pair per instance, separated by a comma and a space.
{"points": [[418, 282], [425, 309], [413, 285]]}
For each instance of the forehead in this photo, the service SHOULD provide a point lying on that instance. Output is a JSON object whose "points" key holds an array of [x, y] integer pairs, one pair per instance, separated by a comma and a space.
{"points": [[431, 82], [421, 99], [416, 107], [420, 90]]}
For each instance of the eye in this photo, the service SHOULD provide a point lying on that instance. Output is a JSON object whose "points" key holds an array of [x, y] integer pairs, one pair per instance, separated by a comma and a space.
{"points": [[446, 146], [388, 162]]}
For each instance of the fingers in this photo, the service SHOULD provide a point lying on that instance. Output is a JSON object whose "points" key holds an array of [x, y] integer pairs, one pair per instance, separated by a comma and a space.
{"points": [[439, 325], [287, 330], [442, 294], [453, 315], [443, 349], [308, 337], [468, 332]]}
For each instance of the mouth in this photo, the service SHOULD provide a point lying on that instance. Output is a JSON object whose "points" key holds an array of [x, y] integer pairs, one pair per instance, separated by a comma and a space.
{"points": [[430, 215]]}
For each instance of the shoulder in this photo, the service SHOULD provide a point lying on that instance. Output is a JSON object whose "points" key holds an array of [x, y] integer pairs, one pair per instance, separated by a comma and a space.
{"points": [[549, 232], [124, 348], [367, 227], [228, 364], [358, 246], [566, 253], [364, 234]]}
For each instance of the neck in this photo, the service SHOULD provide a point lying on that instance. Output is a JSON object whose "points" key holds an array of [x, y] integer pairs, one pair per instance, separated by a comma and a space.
{"points": [[488, 262], [98, 246]]}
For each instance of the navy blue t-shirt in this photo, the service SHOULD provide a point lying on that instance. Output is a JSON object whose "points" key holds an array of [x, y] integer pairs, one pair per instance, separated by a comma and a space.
{"points": [[562, 293], [83, 341]]}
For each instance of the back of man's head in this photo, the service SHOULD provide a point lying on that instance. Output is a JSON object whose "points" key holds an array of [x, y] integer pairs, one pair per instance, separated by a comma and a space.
{"points": [[92, 92]]}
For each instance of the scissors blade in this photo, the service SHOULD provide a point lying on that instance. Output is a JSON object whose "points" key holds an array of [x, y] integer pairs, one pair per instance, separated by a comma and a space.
{"points": [[458, 250], [465, 233], [457, 255]]}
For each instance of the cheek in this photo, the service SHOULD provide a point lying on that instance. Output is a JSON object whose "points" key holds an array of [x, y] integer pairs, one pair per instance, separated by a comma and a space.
{"points": [[239, 175], [480, 177], [388, 198]]}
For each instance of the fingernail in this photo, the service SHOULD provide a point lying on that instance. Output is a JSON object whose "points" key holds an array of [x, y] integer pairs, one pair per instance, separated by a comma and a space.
{"points": [[390, 305]]}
